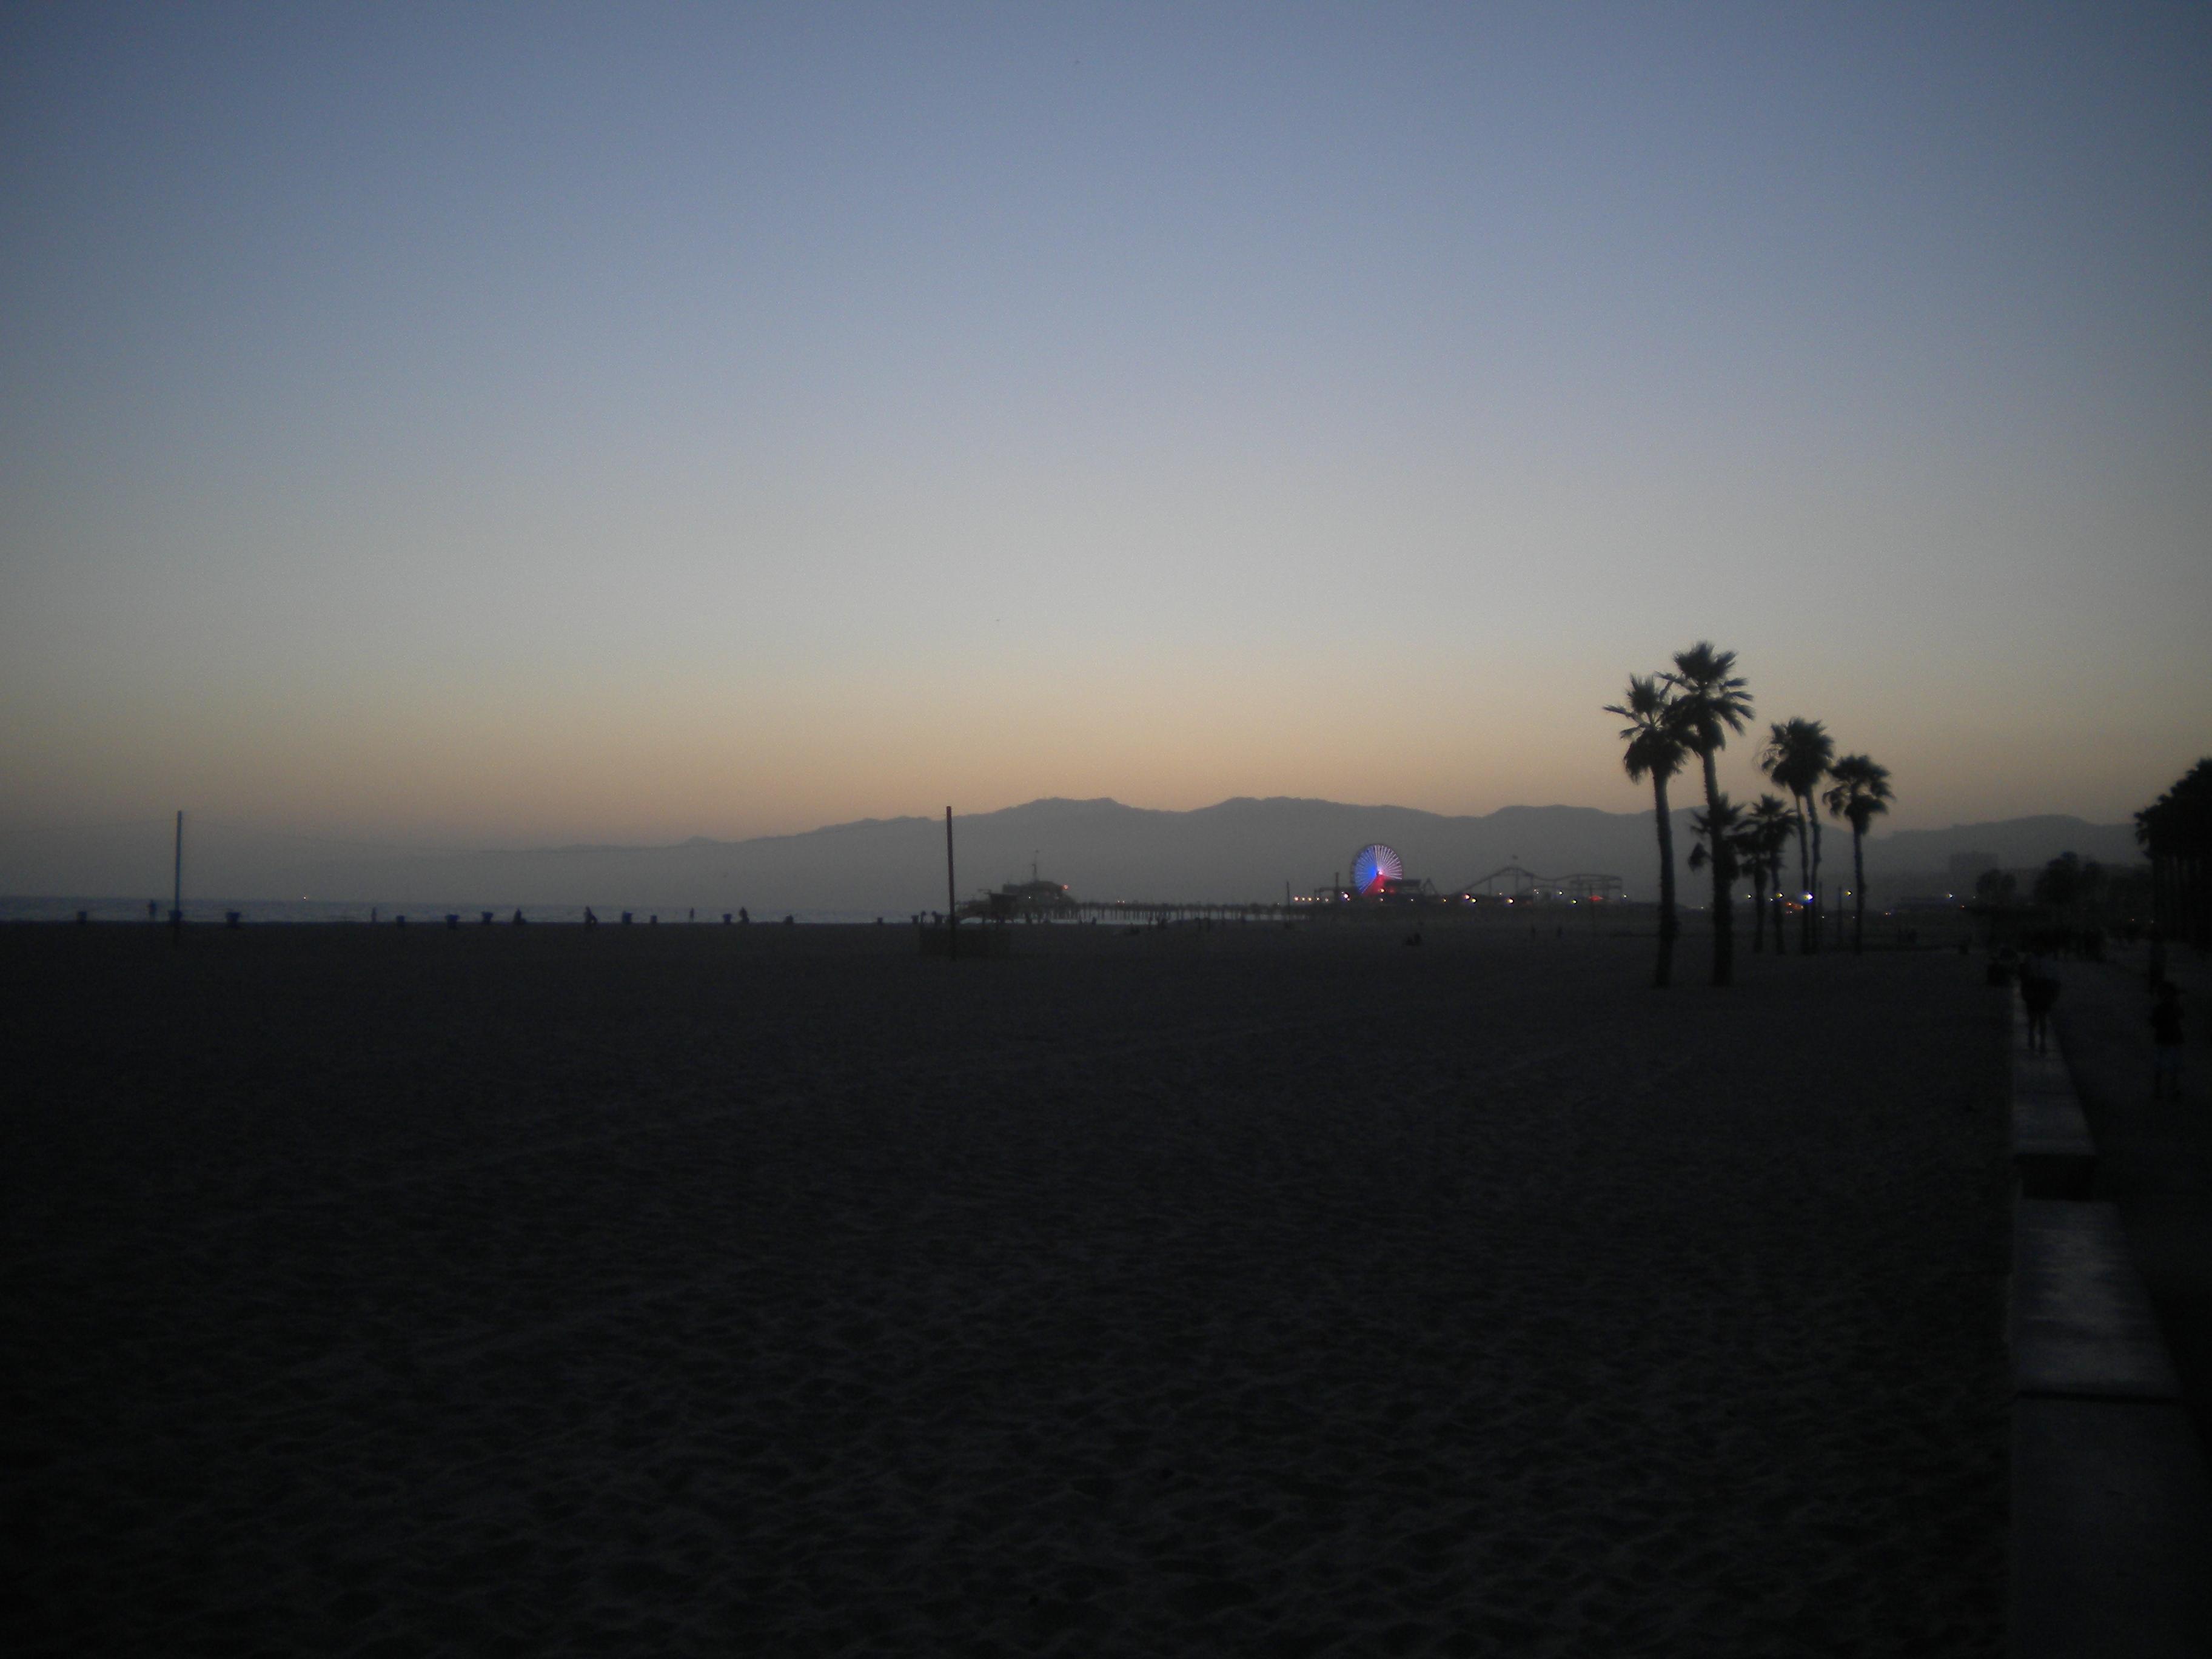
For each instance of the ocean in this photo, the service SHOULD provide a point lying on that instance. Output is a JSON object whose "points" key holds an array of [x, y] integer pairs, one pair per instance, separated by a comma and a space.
{"points": [[70, 908]]}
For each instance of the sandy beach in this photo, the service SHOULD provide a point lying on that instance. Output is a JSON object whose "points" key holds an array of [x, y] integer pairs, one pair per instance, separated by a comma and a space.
{"points": [[541, 1291]]}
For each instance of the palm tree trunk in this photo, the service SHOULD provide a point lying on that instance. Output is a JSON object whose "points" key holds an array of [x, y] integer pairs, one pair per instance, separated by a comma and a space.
{"points": [[1858, 891], [1724, 929], [1757, 907], [1804, 878], [1813, 934], [1667, 923]]}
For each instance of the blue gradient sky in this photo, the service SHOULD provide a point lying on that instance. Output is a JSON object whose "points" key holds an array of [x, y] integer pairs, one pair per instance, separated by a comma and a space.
{"points": [[545, 424]]}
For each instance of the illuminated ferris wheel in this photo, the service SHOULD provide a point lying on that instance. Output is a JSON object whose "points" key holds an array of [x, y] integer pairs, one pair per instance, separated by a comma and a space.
{"points": [[1374, 867]]}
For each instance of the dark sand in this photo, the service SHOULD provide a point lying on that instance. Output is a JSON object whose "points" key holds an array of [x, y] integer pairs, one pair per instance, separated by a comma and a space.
{"points": [[540, 1291]]}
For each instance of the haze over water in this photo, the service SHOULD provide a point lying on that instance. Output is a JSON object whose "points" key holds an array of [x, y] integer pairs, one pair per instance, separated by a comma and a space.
{"points": [[514, 426]]}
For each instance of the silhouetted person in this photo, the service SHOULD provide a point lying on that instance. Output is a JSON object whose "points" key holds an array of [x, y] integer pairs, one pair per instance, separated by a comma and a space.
{"points": [[517, 916], [2038, 991], [742, 916], [2166, 1038], [589, 921], [153, 910]]}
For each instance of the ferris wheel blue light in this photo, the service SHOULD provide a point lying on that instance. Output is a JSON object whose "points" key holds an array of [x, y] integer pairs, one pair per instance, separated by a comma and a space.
{"points": [[1373, 866]]}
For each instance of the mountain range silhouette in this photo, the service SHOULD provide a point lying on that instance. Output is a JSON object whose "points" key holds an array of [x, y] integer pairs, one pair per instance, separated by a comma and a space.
{"points": [[1236, 851]]}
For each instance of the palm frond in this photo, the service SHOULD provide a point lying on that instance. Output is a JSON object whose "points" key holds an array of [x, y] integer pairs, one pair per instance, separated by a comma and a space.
{"points": [[1653, 734], [1797, 754], [1860, 790], [1712, 698]]}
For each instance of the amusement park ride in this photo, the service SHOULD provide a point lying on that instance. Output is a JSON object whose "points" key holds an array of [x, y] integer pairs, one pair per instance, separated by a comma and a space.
{"points": [[1378, 882], [1528, 887], [1378, 877]]}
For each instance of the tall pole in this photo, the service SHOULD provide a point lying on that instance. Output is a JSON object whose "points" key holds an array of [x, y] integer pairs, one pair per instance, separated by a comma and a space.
{"points": [[177, 901], [951, 895]]}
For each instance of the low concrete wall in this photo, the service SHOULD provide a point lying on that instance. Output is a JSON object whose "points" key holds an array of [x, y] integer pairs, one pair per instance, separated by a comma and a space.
{"points": [[2111, 1509]]}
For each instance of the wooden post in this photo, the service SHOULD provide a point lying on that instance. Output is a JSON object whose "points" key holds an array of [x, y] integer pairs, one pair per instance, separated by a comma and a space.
{"points": [[951, 895]]}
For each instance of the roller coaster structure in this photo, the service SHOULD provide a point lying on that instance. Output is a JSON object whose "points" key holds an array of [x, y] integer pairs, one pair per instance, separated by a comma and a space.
{"points": [[1528, 887]]}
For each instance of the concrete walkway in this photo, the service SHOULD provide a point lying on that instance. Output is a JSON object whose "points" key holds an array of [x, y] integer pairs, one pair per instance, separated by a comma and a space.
{"points": [[2112, 1334], [2154, 1158]]}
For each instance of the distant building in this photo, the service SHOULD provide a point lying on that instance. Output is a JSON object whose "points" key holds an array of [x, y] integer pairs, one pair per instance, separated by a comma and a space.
{"points": [[1034, 900]]}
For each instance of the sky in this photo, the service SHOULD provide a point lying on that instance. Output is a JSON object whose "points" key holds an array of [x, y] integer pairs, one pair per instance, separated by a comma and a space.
{"points": [[488, 425]]}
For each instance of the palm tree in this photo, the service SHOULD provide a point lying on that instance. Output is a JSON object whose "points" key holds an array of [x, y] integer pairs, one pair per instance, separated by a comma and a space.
{"points": [[1724, 825], [1710, 701], [1752, 842], [1721, 825], [1861, 790], [1769, 827], [1797, 756], [1655, 748]]}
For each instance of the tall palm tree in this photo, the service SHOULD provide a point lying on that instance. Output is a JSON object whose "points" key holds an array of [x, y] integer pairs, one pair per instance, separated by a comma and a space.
{"points": [[1730, 828], [1752, 849], [1860, 790], [1712, 702], [1655, 749], [1721, 825], [1797, 755], [1769, 827]]}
